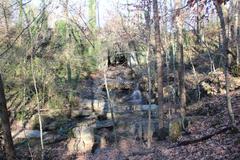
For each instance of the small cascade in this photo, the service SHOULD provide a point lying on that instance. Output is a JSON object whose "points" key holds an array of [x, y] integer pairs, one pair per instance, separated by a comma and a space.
{"points": [[136, 96]]}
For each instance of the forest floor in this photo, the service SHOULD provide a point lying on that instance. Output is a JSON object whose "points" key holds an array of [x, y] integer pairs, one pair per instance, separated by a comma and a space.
{"points": [[209, 128]]}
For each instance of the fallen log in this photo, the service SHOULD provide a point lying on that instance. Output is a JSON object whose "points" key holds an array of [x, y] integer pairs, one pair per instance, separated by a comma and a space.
{"points": [[191, 141]]}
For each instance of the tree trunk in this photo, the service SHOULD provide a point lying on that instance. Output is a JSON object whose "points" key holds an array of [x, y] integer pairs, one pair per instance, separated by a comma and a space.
{"points": [[148, 34], [66, 20], [6, 20], [7, 136], [199, 36], [110, 106], [156, 19], [92, 14], [181, 68], [236, 28], [226, 54]]}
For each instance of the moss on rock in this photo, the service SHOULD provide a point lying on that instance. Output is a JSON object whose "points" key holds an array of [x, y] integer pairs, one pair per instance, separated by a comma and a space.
{"points": [[175, 129]]}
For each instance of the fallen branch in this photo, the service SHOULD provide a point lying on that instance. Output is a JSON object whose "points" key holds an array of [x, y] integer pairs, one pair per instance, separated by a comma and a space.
{"points": [[140, 153], [187, 142]]}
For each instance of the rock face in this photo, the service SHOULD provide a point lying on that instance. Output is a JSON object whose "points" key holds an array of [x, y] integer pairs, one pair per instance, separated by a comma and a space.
{"points": [[119, 83], [83, 140], [77, 112], [87, 106], [94, 104]]}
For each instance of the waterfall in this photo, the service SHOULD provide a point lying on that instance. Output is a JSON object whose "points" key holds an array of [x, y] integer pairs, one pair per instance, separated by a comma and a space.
{"points": [[136, 96]]}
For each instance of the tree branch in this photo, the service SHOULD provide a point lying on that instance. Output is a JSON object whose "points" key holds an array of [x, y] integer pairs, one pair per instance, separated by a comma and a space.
{"points": [[24, 29]]}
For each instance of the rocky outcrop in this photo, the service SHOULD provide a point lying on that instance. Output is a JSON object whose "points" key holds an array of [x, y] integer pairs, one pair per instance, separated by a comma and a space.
{"points": [[215, 83]]}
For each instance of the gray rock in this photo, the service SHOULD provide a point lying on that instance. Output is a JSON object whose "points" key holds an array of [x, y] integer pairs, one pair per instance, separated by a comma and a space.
{"points": [[81, 112], [28, 134], [84, 138]]}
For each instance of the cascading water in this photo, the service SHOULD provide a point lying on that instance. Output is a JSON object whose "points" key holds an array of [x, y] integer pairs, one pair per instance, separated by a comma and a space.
{"points": [[136, 96]]}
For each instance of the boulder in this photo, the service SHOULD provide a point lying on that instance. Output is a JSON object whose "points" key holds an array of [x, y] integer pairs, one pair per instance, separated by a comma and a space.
{"points": [[175, 130], [83, 140]]}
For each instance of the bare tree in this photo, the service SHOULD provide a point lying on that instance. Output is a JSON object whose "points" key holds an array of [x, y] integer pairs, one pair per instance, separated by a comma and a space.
{"points": [[181, 69], [6, 15], [226, 54], [147, 13], [156, 19], [237, 29]]}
